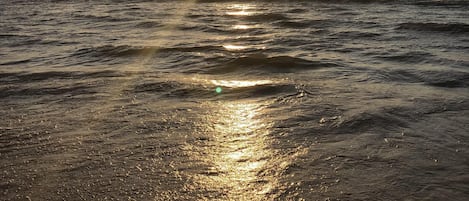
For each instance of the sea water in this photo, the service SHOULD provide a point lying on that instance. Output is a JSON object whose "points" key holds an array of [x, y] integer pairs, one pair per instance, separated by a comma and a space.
{"points": [[234, 100]]}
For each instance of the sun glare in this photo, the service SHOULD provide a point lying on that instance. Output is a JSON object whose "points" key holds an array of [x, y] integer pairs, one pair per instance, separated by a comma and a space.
{"points": [[241, 27], [239, 13], [239, 83], [235, 47], [240, 10], [237, 150]]}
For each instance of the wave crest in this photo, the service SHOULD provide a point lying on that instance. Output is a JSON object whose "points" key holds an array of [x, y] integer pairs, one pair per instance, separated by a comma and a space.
{"points": [[455, 28], [276, 64]]}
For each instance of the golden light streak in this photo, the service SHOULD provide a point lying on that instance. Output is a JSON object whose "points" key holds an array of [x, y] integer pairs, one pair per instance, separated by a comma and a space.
{"points": [[235, 47], [240, 10], [240, 26], [238, 151], [239, 13], [239, 83]]}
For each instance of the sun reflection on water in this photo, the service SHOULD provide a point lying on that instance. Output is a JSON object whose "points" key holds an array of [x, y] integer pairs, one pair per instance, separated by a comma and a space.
{"points": [[241, 26], [239, 13], [235, 47], [240, 83], [240, 10], [239, 150]]}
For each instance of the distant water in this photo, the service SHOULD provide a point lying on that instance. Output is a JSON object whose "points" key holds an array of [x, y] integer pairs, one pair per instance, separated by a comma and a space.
{"points": [[234, 100]]}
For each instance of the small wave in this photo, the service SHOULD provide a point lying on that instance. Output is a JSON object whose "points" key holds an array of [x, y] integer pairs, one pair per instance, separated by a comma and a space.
{"points": [[260, 62], [25, 77], [157, 86], [356, 34], [253, 31], [129, 51], [293, 24], [148, 24], [298, 10], [388, 119], [174, 89], [264, 17], [114, 51], [14, 40], [302, 24], [221, 29], [260, 90], [129, 8], [454, 28], [59, 90], [199, 91], [15, 62], [447, 79], [408, 57], [442, 3], [11, 35], [101, 18]]}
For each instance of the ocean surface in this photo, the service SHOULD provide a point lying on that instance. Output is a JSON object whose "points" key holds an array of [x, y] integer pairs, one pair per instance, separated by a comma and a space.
{"points": [[234, 100]]}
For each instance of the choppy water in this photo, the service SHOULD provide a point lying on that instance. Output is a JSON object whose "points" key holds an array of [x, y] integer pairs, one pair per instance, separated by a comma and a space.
{"points": [[320, 100]]}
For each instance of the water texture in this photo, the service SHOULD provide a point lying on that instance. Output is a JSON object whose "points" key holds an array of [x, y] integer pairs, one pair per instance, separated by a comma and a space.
{"points": [[234, 100]]}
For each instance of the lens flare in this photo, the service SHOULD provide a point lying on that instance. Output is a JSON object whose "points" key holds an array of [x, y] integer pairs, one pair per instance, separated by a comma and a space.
{"points": [[218, 90]]}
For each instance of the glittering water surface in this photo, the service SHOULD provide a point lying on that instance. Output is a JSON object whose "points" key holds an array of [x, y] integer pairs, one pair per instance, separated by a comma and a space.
{"points": [[234, 100]]}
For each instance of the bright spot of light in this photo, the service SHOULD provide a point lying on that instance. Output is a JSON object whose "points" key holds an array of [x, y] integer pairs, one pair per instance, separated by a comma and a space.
{"points": [[218, 90], [239, 13], [240, 26], [240, 83], [234, 47]]}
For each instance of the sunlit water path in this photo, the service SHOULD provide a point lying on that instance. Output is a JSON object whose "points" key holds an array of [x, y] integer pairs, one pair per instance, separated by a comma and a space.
{"points": [[224, 100]]}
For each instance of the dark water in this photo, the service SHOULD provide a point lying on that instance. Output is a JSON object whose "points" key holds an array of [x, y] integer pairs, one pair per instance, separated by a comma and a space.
{"points": [[320, 100]]}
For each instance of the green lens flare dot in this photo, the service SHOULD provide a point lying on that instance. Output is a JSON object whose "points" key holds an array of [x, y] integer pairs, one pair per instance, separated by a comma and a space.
{"points": [[218, 90]]}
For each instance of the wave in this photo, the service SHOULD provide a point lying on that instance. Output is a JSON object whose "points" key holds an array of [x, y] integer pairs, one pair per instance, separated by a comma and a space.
{"points": [[6, 36], [113, 51], [408, 57], [317, 23], [260, 62], [15, 40], [356, 35], [442, 3], [393, 118], [454, 28], [221, 29], [298, 10], [293, 24], [174, 89], [157, 86], [26, 77], [101, 18], [446, 79], [148, 24], [388, 119], [264, 17], [260, 90], [15, 62], [39, 91], [131, 51]]}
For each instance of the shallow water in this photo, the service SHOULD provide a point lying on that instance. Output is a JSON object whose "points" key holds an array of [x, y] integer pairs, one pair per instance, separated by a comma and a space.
{"points": [[342, 100]]}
